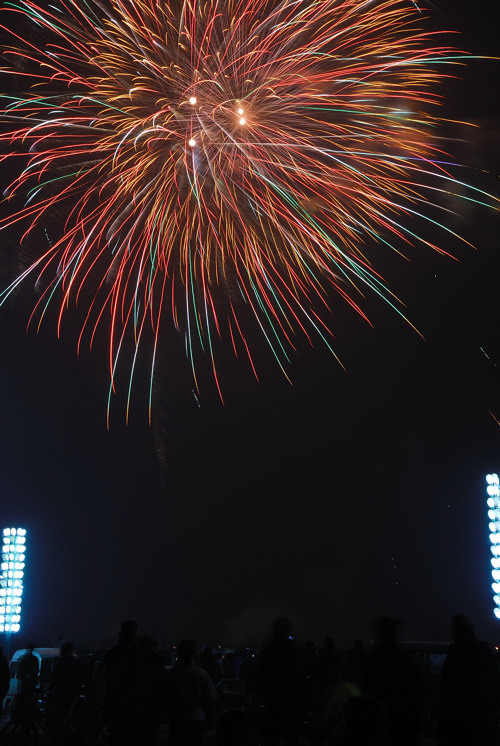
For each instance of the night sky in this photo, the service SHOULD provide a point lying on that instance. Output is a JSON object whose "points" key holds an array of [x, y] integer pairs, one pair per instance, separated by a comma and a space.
{"points": [[352, 493]]}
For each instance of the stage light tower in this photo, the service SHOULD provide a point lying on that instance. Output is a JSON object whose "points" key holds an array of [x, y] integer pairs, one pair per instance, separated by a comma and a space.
{"points": [[493, 490], [11, 579]]}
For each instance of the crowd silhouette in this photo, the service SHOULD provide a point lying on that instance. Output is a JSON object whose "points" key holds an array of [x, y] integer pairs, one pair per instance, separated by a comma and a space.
{"points": [[286, 694]]}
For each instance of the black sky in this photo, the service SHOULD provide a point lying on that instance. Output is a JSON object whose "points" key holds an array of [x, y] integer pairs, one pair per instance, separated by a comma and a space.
{"points": [[350, 494]]}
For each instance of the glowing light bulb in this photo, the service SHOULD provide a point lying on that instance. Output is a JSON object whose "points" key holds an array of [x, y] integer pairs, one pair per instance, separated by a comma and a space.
{"points": [[243, 121], [192, 100], [192, 142]]}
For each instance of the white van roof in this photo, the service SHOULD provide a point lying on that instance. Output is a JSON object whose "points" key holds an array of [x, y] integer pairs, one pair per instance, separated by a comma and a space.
{"points": [[40, 653]]}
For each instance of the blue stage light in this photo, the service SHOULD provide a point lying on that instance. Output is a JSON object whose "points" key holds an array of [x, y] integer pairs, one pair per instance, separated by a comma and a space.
{"points": [[11, 578]]}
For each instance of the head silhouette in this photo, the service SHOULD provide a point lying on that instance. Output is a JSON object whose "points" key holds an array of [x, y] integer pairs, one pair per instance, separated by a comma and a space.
{"points": [[186, 652], [128, 630], [66, 650]]}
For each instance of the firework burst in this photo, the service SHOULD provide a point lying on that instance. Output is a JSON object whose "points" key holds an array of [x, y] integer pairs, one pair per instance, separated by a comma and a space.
{"points": [[219, 154]]}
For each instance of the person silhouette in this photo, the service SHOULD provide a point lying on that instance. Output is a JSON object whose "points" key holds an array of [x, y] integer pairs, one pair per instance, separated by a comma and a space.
{"points": [[470, 689], [67, 678], [4, 680], [28, 673], [135, 679], [190, 697], [282, 684], [393, 678]]}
